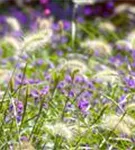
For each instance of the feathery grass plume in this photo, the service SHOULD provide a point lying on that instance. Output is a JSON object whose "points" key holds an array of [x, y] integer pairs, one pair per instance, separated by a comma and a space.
{"points": [[106, 26], [121, 8], [131, 38], [114, 122], [125, 8], [77, 56], [99, 47], [11, 41], [129, 121], [87, 2], [130, 106], [107, 75], [24, 146], [62, 130], [44, 23], [4, 75], [123, 44], [10, 46], [37, 40], [73, 65], [13, 23]]}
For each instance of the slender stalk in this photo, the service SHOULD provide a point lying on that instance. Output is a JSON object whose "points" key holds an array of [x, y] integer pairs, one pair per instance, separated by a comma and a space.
{"points": [[74, 26], [38, 116]]}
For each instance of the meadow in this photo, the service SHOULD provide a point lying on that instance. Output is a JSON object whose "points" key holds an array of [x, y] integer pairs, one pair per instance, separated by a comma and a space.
{"points": [[67, 75]]}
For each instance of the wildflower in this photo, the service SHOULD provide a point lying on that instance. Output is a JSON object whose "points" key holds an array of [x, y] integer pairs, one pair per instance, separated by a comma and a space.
{"points": [[34, 94], [67, 25], [44, 1], [17, 112], [83, 105], [61, 85], [3, 25], [71, 93], [130, 82], [78, 79], [117, 60], [68, 79], [45, 90]]}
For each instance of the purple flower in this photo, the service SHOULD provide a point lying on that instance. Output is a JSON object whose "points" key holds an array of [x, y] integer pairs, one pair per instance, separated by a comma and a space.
{"points": [[90, 84], [86, 94], [83, 104], [3, 25], [64, 40], [78, 79], [20, 16], [18, 118], [34, 81], [44, 1], [130, 82], [47, 76], [56, 27], [110, 5], [121, 102], [71, 93], [34, 94], [59, 53], [45, 90], [39, 62], [67, 25], [10, 107], [68, 78], [88, 11], [117, 60], [20, 81], [24, 138], [61, 85], [80, 19], [17, 34]]}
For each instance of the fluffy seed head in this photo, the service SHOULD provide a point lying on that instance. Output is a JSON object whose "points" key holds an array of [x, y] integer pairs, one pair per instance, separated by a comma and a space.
{"points": [[114, 122], [14, 23], [37, 40], [107, 26], [123, 44], [73, 65], [25, 146], [84, 2], [99, 47], [5, 75], [131, 38], [107, 75], [130, 106], [122, 8], [62, 130], [12, 41]]}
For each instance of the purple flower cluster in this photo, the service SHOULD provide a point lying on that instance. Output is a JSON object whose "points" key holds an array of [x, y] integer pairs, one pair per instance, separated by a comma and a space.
{"points": [[78, 88], [19, 110]]}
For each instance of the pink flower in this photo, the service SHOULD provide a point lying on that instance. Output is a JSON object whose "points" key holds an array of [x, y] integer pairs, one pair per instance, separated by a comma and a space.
{"points": [[47, 11]]}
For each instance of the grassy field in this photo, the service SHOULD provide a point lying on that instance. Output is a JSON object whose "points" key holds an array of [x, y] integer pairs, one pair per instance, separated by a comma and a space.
{"points": [[67, 84]]}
